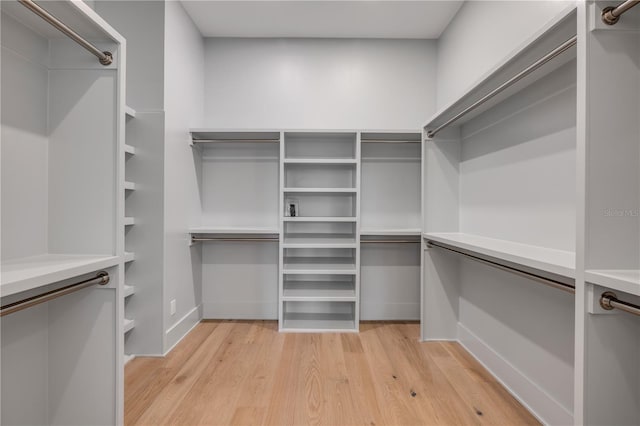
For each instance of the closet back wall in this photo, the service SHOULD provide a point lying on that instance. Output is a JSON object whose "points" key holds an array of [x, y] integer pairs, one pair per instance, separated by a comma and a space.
{"points": [[319, 83]]}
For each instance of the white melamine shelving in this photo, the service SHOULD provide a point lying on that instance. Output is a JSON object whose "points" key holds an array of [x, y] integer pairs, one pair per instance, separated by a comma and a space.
{"points": [[130, 112], [320, 161], [28, 273], [627, 280], [129, 257], [129, 150], [129, 186], [557, 262], [319, 219], [128, 358], [129, 290], [319, 266], [128, 325], [232, 230], [128, 221], [319, 240], [325, 291], [391, 232], [318, 322], [320, 190]]}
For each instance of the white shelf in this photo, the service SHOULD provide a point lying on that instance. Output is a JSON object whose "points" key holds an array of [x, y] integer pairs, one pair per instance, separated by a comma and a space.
{"points": [[392, 232], [28, 273], [557, 262], [320, 161], [129, 112], [128, 358], [128, 221], [318, 323], [129, 324], [319, 241], [626, 280], [318, 291], [231, 231], [129, 186], [130, 150], [129, 257], [319, 219], [320, 190], [319, 265], [129, 290]]}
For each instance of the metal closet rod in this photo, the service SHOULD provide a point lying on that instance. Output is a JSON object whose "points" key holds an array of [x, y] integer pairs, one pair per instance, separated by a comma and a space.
{"points": [[611, 15], [105, 58], [236, 140], [388, 141], [542, 280], [231, 239], [102, 278], [513, 80], [609, 300]]}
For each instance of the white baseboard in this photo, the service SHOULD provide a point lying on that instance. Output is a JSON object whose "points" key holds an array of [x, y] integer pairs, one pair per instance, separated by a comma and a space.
{"points": [[376, 311], [536, 400], [240, 310], [180, 329]]}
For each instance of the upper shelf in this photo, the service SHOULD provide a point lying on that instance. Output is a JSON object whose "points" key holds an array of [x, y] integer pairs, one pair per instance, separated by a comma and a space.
{"points": [[203, 230], [555, 33], [627, 280], [398, 232], [558, 262], [28, 273], [210, 136]]}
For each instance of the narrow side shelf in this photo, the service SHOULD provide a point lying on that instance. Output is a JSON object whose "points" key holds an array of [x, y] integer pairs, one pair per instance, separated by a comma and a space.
{"points": [[129, 150], [129, 257], [129, 324], [128, 221], [626, 280], [129, 186], [28, 273], [129, 112], [554, 261], [129, 290]]}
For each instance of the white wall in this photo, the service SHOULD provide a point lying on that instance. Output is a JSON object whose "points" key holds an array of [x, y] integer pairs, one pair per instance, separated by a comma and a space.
{"points": [[183, 90], [481, 35], [319, 83]]}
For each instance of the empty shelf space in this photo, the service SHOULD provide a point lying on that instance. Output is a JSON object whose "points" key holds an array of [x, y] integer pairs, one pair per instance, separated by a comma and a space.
{"points": [[319, 219], [27, 273], [320, 161], [318, 322], [626, 280], [319, 240], [328, 291], [554, 261], [129, 150], [129, 290], [321, 190], [391, 232], [128, 325], [129, 112], [129, 186], [128, 221], [319, 265], [129, 257]]}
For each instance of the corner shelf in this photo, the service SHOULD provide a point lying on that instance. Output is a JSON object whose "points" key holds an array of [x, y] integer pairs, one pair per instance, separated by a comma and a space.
{"points": [[129, 325], [129, 290], [625, 280], [545, 259]]}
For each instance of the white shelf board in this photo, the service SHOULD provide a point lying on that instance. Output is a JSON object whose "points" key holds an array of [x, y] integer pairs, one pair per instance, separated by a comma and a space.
{"points": [[129, 186], [318, 291], [129, 112], [128, 221], [556, 31], [318, 323], [557, 262], [319, 241], [319, 265], [626, 280], [392, 231], [129, 290], [128, 324], [231, 230], [320, 161], [320, 190], [128, 358], [128, 149], [129, 257], [319, 219], [28, 273]]}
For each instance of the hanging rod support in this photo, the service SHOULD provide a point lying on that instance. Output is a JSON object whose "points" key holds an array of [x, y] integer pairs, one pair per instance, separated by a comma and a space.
{"points": [[609, 300], [611, 15], [513, 80], [105, 58], [542, 280], [101, 278]]}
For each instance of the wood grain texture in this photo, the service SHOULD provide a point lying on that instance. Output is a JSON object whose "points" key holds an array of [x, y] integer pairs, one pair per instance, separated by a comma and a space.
{"points": [[246, 373]]}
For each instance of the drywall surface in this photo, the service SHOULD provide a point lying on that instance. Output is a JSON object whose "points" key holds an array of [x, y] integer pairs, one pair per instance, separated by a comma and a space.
{"points": [[481, 35], [319, 83], [183, 90]]}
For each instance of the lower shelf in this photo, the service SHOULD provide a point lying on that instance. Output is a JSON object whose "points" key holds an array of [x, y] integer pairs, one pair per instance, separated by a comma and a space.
{"points": [[340, 291], [318, 322]]}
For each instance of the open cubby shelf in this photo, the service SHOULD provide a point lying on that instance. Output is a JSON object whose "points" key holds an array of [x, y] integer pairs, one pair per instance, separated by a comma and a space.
{"points": [[318, 322], [318, 265], [319, 240], [337, 291]]}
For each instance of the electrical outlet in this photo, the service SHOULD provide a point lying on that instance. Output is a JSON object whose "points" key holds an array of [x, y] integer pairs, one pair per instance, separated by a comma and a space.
{"points": [[172, 307]]}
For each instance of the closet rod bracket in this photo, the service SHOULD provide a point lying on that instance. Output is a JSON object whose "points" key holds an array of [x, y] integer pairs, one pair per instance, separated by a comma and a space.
{"points": [[609, 301], [611, 14]]}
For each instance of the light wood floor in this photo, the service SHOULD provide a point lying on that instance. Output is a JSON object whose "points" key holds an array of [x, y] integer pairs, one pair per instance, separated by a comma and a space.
{"points": [[246, 373]]}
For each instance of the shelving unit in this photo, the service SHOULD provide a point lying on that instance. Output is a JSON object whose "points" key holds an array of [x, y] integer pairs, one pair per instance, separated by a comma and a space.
{"points": [[485, 196], [60, 136], [319, 254]]}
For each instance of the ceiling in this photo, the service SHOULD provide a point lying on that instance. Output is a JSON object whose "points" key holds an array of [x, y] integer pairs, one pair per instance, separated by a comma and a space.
{"points": [[322, 19]]}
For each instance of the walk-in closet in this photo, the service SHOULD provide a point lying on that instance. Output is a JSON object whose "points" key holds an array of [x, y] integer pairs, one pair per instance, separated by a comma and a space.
{"points": [[313, 212]]}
